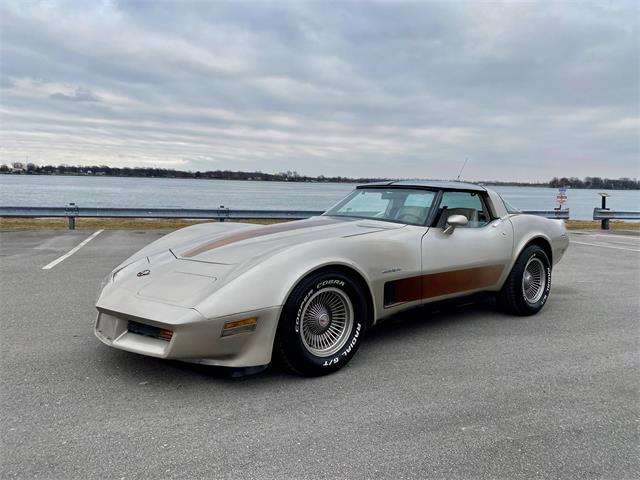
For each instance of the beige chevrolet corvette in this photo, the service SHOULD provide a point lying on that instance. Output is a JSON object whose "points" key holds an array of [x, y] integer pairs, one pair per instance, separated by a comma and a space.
{"points": [[237, 295]]}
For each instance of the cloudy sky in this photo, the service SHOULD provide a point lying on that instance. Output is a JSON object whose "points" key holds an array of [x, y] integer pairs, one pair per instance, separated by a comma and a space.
{"points": [[525, 90]]}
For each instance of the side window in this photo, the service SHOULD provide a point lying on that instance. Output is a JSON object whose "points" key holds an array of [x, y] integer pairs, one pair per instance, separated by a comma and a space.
{"points": [[510, 208], [469, 204], [415, 208], [421, 199]]}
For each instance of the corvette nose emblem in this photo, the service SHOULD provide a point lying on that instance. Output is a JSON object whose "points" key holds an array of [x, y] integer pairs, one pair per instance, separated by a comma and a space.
{"points": [[143, 273]]}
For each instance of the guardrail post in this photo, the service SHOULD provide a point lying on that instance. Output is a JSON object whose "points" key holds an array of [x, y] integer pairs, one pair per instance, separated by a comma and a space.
{"points": [[223, 213], [71, 211], [604, 223]]}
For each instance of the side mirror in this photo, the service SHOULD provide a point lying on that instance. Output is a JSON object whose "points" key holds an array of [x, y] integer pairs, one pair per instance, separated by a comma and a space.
{"points": [[453, 222]]}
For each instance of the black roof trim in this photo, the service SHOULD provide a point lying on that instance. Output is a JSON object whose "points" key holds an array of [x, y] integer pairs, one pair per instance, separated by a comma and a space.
{"points": [[427, 185]]}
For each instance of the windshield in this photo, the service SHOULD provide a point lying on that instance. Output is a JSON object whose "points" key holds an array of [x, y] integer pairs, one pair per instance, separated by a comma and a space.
{"points": [[400, 205]]}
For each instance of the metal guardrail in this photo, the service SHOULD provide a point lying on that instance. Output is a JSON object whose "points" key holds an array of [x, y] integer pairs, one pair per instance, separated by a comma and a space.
{"points": [[557, 214], [604, 215], [219, 213], [72, 211]]}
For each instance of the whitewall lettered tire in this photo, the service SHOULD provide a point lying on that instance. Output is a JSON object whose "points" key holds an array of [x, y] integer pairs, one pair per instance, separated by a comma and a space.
{"points": [[322, 324]]}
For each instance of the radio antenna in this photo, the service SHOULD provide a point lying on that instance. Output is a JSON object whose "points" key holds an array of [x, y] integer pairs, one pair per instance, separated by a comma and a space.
{"points": [[463, 165]]}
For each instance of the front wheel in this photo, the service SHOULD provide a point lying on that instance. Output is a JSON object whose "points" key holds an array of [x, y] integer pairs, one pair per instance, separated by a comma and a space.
{"points": [[527, 287], [322, 324]]}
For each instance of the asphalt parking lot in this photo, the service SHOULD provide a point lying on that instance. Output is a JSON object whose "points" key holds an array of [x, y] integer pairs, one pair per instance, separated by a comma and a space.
{"points": [[458, 393]]}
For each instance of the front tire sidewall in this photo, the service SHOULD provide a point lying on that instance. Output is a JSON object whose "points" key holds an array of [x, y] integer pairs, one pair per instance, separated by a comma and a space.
{"points": [[290, 344]]}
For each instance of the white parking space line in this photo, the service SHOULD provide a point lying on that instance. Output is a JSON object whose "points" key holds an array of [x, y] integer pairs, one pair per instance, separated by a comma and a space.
{"points": [[49, 266], [614, 239], [605, 246], [630, 242]]}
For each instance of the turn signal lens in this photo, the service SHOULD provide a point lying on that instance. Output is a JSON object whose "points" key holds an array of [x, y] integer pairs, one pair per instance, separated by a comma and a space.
{"points": [[165, 334], [240, 323], [239, 326]]}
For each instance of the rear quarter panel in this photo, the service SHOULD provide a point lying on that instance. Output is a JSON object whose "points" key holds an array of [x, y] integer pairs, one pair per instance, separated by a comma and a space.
{"points": [[527, 228]]}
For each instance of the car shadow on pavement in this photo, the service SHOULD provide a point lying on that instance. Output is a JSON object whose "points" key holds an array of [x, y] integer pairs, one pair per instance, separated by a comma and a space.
{"points": [[435, 315]]}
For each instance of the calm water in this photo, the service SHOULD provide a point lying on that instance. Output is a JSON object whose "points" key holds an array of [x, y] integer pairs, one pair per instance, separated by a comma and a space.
{"points": [[52, 191]]}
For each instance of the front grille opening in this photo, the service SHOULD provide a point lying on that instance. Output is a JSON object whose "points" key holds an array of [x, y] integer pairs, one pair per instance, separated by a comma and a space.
{"points": [[149, 331]]}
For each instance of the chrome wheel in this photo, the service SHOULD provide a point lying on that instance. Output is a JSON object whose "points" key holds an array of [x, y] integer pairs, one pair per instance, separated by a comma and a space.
{"points": [[326, 322], [534, 280]]}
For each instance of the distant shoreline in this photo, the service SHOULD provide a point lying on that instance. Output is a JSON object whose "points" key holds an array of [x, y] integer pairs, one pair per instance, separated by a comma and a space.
{"points": [[573, 183], [284, 179]]}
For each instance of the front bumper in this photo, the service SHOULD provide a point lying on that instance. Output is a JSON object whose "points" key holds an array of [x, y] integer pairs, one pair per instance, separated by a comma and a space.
{"points": [[195, 338]]}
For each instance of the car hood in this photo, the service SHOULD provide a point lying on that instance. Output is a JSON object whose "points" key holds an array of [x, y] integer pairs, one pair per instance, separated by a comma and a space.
{"points": [[197, 266], [256, 241]]}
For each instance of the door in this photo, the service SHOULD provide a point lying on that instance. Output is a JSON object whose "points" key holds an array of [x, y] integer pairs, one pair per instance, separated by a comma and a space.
{"points": [[469, 258]]}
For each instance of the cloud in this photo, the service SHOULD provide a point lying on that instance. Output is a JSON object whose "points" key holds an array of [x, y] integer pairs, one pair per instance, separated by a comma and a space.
{"points": [[524, 90], [79, 95]]}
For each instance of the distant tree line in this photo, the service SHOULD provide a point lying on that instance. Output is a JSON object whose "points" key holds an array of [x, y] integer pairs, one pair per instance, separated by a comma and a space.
{"points": [[288, 176], [623, 183], [104, 170]]}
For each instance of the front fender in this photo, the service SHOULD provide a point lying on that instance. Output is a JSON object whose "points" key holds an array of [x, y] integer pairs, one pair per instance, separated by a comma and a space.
{"points": [[266, 282], [269, 282]]}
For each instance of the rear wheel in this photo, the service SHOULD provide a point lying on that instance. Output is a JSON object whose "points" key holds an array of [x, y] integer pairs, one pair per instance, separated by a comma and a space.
{"points": [[527, 288], [322, 324]]}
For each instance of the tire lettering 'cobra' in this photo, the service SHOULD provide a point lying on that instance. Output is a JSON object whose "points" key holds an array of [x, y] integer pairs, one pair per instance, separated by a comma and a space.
{"points": [[330, 282]]}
